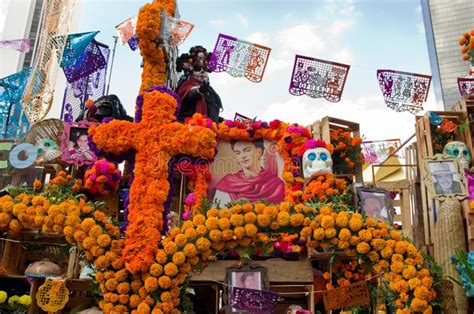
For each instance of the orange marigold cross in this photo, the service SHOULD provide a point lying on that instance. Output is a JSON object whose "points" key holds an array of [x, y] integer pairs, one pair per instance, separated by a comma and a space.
{"points": [[156, 139]]}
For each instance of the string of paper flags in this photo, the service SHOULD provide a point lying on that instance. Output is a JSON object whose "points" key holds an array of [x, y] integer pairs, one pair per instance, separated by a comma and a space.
{"points": [[312, 77]]}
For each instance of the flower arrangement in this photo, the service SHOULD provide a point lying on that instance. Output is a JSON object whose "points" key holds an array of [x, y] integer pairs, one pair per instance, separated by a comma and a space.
{"points": [[102, 178], [325, 187], [14, 304], [148, 33], [347, 152], [464, 264], [467, 44], [345, 273]]}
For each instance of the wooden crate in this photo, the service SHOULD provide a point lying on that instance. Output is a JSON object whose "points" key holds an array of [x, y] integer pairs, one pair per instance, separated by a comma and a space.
{"points": [[291, 294], [424, 138], [322, 128]]}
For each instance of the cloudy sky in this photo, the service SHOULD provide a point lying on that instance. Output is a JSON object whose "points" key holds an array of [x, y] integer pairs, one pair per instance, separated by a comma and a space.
{"points": [[367, 34]]}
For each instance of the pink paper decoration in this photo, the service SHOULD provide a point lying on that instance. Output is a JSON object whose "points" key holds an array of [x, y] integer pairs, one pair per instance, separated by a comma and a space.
{"points": [[176, 31], [466, 85], [239, 58], [318, 78], [404, 91], [21, 45], [126, 29], [254, 301]]}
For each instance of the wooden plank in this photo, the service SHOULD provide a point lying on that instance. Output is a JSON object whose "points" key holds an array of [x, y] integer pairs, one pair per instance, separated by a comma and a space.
{"points": [[393, 185], [406, 213], [277, 270]]}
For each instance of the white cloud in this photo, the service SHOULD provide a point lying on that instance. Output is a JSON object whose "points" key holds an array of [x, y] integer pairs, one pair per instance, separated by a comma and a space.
{"points": [[242, 19], [217, 22], [338, 27], [260, 38], [418, 9]]}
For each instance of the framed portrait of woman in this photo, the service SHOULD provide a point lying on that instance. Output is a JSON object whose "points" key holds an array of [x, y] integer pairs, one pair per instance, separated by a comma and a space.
{"points": [[375, 203], [244, 170], [75, 144]]}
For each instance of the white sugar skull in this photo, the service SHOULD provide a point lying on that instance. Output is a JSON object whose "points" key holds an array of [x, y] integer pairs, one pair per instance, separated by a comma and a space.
{"points": [[316, 161], [458, 150]]}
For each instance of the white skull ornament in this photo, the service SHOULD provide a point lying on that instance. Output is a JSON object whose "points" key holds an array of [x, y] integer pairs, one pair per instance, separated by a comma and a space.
{"points": [[457, 149], [316, 161]]}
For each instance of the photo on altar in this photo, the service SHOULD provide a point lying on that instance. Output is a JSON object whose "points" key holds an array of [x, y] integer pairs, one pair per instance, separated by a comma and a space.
{"points": [[247, 280], [375, 203], [75, 144], [244, 170]]}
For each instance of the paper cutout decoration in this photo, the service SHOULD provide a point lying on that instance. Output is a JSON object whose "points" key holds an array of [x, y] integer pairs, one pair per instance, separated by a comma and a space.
{"points": [[243, 119], [466, 85], [75, 144], [318, 78], [75, 46], [13, 121], [239, 58], [55, 23], [176, 31], [133, 42], [376, 152], [126, 29], [91, 86], [404, 91], [20, 45], [53, 295], [356, 294], [435, 119], [89, 62], [254, 301]]}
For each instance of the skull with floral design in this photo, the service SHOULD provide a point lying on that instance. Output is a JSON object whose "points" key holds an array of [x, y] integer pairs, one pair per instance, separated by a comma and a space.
{"points": [[316, 159], [457, 149]]}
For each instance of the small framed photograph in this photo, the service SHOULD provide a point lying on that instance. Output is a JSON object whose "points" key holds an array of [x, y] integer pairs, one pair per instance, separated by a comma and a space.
{"points": [[375, 203], [75, 144], [444, 177], [247, 276]]}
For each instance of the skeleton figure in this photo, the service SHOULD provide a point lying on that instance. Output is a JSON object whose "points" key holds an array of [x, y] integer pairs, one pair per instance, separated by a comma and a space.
{"points": [[458, 150], [316, 161]]}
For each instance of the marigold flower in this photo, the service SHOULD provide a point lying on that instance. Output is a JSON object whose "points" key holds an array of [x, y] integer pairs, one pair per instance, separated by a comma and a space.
{"points": [[199, 219], [190, 250], [263, 220], [239, 232], [418, 305], [296, 220], [212, 223], [363, 247], [330, 233], [319, 234], [409, 272], [170, 269], [104, 240], [203, 244], [327, 222], [215, 235], [161, 256], [170, 248], [201, 230], [251, 230], [396, 267], [342, 219], [355, 224]]}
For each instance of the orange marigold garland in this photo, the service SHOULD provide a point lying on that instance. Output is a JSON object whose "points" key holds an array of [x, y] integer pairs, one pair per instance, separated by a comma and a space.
{"points": [[148, 33], [347, 152], [155, 138], [325, 187]]}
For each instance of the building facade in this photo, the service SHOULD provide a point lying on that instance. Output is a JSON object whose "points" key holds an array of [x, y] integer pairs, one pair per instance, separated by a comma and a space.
{"points": [[445, 22]]}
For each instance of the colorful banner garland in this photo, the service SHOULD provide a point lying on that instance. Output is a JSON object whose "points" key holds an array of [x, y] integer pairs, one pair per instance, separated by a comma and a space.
{"points": [[318, 78], [91, 86], [254, 301], [126, 29], [13, 121], [75, 46], [239, 58], [404, 91], [466, 85], [176, 31], [376, 152], [20, 45]]}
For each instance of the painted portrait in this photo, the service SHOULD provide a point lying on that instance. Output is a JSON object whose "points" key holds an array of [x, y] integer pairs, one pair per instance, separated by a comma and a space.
{"points": [[244, 170]]}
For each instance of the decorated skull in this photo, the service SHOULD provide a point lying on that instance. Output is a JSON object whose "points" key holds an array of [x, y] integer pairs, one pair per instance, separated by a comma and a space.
{"points": [[458, 150], [316, 161]]}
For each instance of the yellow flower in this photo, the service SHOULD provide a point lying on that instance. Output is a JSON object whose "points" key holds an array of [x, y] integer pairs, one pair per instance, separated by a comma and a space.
{"points": [[181, 239], [104, 240], [203, 244], [263, 220], [409, 272], [354, 240], [327, 222], [414, 283], [397, 258], [224, 223], [396, 267], [161, 256], [25, 300], [427, 282], [170, 270], [395, 235], [363, 247], [342, 219], [3, 296], [201, 230], [319, 234], [215, 235], [156, 270], [422, 293], [344, 234], [418, 305], [190, 250], [13, 299], [237, 220], [239, 232], [330, 233], [251, 230], [373, 256], [283, 218], [400, 247], [212, 223], [225, 213], [213, 212], [170, 248], [387, 252], [325, 210], [164, 282], [179, 258], [250, 217], [355, 224], [151, 284], [190, 233], [296, 220], [199, 219], [365, 235]]}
